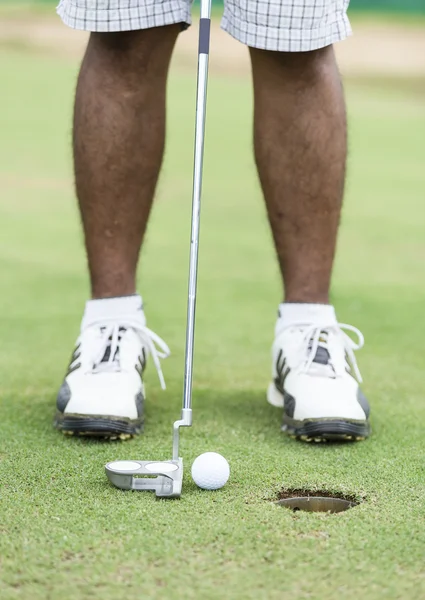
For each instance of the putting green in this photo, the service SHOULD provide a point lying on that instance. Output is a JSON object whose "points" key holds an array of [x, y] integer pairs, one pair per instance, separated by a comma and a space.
{"points": [[65, 532]]}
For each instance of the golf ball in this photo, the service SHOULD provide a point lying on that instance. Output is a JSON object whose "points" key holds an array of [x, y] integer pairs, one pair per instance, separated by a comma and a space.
{"points": [[210, 471]]}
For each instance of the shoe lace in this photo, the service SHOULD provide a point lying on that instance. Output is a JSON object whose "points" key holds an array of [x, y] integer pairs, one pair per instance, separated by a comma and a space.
{"points": [[108, 354], [316, 336]]}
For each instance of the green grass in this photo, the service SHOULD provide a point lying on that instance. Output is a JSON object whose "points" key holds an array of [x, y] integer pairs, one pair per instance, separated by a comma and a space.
{"points": [[65, 533]]}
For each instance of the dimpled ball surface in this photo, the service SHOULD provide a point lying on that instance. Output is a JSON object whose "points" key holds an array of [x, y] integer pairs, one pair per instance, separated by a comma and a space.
{"points": [[210, 471]]}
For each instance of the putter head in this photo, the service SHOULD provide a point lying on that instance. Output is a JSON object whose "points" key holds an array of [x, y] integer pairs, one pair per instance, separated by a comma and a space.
{"points": [[163, 477]]}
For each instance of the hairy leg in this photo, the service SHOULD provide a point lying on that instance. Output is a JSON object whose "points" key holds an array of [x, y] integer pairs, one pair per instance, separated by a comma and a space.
{"points": [[300, 149], [119, 132]]}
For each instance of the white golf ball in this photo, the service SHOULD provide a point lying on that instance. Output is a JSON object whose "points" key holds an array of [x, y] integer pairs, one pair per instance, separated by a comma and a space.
{"points": [[210, 471]]}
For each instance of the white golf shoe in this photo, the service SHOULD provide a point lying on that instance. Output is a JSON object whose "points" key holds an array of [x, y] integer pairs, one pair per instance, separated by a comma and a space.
{"points": [[316, 381], [103, 392]]}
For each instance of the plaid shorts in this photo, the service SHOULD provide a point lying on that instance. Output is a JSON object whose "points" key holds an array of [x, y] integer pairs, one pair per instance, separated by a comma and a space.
{"points": [[282, 25]]}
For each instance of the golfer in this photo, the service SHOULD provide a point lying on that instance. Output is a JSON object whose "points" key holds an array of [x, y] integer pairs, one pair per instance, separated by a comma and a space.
{"points": [[300, 144]]}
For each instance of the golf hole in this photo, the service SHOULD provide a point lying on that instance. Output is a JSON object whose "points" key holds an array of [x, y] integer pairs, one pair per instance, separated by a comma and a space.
{"points": [[315, 501]]}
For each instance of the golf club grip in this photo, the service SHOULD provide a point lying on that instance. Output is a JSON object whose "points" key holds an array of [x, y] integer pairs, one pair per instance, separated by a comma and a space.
{"points": [[201, 98], [204, 36]]}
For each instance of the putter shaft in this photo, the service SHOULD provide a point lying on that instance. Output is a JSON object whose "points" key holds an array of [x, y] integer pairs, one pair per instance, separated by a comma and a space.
{"points": [[201, 104]]}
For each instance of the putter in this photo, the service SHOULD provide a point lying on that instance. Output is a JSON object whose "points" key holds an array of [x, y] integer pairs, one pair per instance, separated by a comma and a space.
{"points": [[165, 477]]}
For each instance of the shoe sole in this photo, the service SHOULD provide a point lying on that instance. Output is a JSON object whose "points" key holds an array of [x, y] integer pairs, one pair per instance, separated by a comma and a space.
{"points": [[319, 430], [97, 426]]}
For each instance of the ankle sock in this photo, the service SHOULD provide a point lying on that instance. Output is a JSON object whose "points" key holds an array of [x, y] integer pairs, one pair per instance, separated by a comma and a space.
{"points": [[308, 314], [107, 308]]}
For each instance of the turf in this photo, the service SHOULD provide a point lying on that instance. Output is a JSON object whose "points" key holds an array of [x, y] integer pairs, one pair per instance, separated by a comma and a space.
{"points": [[65, 533]]}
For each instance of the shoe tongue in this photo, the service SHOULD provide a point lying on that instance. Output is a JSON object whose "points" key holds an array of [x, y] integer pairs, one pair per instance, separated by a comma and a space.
{"points": [[322, 356], [107, 355]]}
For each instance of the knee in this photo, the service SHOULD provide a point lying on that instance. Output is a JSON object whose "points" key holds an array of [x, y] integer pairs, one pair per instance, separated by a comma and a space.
{"points": [[130, 50], [296, 65], [312, 59], [123, 42]]}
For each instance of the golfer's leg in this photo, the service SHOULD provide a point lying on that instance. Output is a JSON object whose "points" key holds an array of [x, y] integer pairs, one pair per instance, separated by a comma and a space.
{"points": [[300, 150], [119, 131]]}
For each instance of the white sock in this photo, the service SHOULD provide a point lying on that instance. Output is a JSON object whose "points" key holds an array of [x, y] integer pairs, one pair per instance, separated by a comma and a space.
{"points": [[308, 314], [118, 308]]}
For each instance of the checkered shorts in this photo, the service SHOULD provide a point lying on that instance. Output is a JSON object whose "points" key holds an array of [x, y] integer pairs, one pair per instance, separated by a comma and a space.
{"points": [[283, 25]]}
